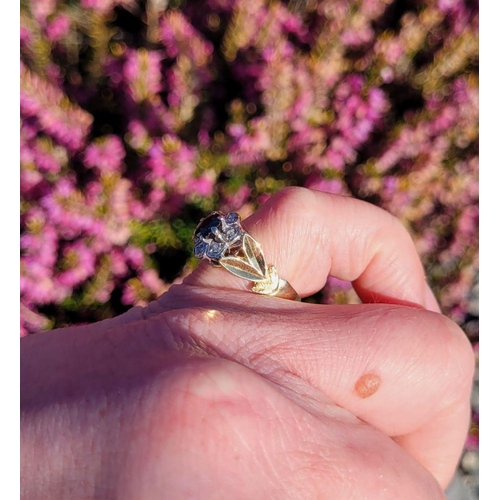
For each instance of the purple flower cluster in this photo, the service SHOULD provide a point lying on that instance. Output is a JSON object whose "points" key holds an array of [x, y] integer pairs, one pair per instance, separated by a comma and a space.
{"points": [[130, 132]]}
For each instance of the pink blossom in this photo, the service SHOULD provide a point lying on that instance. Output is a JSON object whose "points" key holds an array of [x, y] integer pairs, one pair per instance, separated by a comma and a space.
{"points": [[204, 185], [142, 72], [149, 278], [65, 122], [41, 9], [25, 35], [180, 37], [134, 256], [58, 27], [29, 180], [105, 154], [236, 200], [103, 294], [82, 264], [356, 37], [100, 6], [118, 263], [129, 296]]}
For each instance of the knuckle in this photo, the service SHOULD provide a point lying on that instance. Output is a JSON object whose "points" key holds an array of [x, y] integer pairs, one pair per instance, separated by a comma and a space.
{"points": [[294, 201], [205, 391], [201, 413], [205, 381], [294, 194], [460, 360], [442, 352]]}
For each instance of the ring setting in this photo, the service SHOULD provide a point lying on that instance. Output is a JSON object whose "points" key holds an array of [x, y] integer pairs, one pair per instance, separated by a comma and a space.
{"points": [[220, 239]]}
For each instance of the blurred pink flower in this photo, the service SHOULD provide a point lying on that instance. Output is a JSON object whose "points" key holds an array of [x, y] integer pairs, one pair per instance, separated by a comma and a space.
{"points": [[204, 185], [142, 73], [106, 154], [100, 6], [81, 260], [58, 27], [42, 9], [134, 256]]}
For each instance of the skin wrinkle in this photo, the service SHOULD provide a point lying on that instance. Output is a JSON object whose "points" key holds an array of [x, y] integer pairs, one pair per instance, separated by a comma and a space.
{"points": [[355, 270], [242, 439], [365, 364], [249, 340], [298, 202], [319, 238], [197, 337], [376, 281], [374, 244], [366, 243], [314, 206], [266, 357], [311, 354], [184, 330], [363, 353], [271, 469]]}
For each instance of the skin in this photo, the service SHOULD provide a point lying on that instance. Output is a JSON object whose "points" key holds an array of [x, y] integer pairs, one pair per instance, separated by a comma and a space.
{"points": [[215, 392]]}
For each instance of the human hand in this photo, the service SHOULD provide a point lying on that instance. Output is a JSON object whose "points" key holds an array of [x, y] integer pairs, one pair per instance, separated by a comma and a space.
{"points": [[215, 392]]}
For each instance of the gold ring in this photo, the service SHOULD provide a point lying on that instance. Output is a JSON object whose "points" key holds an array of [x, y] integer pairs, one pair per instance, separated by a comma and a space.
{"points": [[222, 241]]}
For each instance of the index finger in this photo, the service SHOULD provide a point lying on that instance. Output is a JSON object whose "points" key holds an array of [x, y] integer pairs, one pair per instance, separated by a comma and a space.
{"points": [[310, 235]]}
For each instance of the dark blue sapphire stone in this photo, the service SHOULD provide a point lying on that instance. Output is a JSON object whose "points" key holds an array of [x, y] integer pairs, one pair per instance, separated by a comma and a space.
{"points": [[211, 222]]}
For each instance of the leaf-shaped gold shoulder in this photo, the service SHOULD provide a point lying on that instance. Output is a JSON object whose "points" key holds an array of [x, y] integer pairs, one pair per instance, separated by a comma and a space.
{"points": [[242, 268], [254, 254], [249, 264]]}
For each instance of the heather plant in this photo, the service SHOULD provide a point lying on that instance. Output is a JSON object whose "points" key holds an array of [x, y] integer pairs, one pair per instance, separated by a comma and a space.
{"points": [[138, 119]]}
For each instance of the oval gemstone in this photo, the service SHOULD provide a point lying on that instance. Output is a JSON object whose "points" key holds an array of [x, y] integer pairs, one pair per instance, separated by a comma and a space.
{"points": [[211, 222]]}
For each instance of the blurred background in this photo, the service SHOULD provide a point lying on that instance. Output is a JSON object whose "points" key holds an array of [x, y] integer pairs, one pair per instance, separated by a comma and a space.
{"points": [[140, 116]]}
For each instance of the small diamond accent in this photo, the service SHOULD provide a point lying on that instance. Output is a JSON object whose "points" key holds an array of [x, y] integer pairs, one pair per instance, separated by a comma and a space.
{"points": [[200, 249], [232, 217], [216, 250]]}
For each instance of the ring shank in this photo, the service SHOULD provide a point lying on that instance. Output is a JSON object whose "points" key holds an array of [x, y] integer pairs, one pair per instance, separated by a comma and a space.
{"points": [[286, 291]]}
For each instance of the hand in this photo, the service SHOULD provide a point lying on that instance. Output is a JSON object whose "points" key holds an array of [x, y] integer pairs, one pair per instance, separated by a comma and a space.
{"points": [[215, 392]]}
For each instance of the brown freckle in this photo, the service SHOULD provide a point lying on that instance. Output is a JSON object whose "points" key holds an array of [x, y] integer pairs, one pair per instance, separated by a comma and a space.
{"points": [[367, 385]]}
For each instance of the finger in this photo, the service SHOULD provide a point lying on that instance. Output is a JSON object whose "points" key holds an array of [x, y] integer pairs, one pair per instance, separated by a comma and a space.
{"points": [[309, 235], [406, 371]]}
